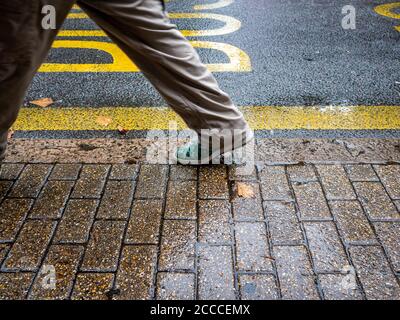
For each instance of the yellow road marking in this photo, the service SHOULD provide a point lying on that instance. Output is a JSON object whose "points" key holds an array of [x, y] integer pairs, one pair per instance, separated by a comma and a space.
{"points": [[239, 60], [230, 25], [216, 5], [121, 63], [387, 10], [259, 117]]}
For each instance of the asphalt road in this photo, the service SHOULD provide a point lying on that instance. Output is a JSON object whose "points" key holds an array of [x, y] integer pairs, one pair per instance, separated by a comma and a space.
{"points": [[299, 53]]}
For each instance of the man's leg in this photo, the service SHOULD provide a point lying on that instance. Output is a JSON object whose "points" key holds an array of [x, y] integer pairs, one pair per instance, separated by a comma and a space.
{"points": [[143, 31], [24, 45]]}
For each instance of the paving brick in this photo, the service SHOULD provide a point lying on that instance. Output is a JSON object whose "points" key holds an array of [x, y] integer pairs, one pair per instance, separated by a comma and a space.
{"points": [[283, 223], [213, 183], [178, 245], [144, 223], [3, 251], [311, 201], [242, 173], [104, 245], [336, 287], [31, 181], [252, 247], [4, 188], [258, 287], [274, 184], [214, 221], [301, 173], [397, 203], [75, 224], [181, 200], [390, 177], [124, 171], [15, 286], [334, 180], [179, 172], [51, 201], [10, 171], [27, 252], [361, 172], [352, 222], [375, 201], [175, 286], [215, 273], [389, 234], [295, 275], [136, 271], [12, 215], [373, 270], [64, 259], [326, 249], [245, 208], [117, 200], [91, 181], [152, 181], [67, 171], [92, 286]]}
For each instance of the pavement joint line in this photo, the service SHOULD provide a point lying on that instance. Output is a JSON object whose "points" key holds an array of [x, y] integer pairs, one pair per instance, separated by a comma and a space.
{"points": [[259, 118]]}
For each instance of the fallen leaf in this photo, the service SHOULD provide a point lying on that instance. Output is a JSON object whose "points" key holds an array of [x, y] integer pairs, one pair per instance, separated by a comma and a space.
{"points": [[103, 121], [45, 102], [10, 134], [245, 191], [122, 130]]}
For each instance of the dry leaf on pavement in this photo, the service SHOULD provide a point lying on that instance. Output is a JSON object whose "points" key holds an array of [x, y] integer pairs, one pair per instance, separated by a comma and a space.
{"points": [[122, 130], [245, 190], [103, 121], [45, 102], [10, 134]]}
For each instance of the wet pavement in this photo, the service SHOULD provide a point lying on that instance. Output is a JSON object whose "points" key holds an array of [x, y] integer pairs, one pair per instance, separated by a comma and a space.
{"points": [[326, 229]]}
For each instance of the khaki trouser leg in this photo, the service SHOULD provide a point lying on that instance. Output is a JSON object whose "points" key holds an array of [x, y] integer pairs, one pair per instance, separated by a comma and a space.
{"points": [[142, 30], [24, 45]]}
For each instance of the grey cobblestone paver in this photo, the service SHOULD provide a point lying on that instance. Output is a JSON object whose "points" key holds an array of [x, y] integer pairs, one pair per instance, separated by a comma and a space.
{"points": [[117, 200], [340, 287], [389, 234], [374, 272], [352, 221], [214, 221], [69, 171], [64, 260], [31, 181], [92, 286], [375, 200], [258, 287], [216, 280], [326, 249], [311, 201], [390, 177], [27, 252], [334, 180], [295, 274], [283, 222], [361, 172], [51, 201], [274, 184], [144, 231], [104, 245], [175, 286]]}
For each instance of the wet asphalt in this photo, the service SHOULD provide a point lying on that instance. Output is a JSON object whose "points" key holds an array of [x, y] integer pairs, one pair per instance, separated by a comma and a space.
{"points": [[300, 56]]}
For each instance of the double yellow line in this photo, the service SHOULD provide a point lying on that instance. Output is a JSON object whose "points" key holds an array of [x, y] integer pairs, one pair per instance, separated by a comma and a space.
{"points": [[259, 118]]}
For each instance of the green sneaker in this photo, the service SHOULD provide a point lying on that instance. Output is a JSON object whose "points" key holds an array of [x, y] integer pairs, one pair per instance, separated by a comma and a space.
{"points": [[194, 153]]}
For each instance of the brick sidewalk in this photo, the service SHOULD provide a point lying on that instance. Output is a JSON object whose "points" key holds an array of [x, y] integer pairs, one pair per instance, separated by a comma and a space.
{"points": [[171, 232]]}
